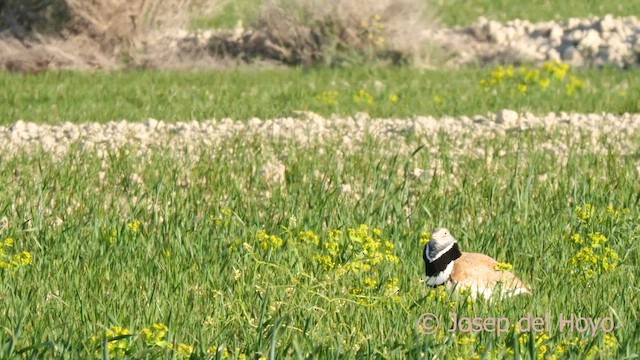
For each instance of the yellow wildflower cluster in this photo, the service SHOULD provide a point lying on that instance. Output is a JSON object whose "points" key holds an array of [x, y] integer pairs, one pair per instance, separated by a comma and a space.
{"points": [[503, 267], [594, 257], [268, 241], [362, 97], [358, 252], [328, 97], [222, 219], [183, 351], [523, 79], [17, 260], [221, 352], [111, 236], [540, 341], [589, 214], [155, 336], [425, 237], [584, 214], [437, 294], [543, 346], [333, 246], [118, 347], [134, 225], [308, 237], [369, 283], [392, 286], [326, 261], [565, 346]]}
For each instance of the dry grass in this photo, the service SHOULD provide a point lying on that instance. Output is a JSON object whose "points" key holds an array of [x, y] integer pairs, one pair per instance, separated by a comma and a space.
{"points": [[106, 34], [112, 34], [333, 32]]}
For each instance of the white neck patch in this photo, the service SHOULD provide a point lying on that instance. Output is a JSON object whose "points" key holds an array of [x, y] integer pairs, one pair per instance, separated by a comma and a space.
{"points": [[438, 254]]}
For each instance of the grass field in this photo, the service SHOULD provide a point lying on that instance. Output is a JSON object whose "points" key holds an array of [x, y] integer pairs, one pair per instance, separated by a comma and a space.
{"points": [[149, 254], [242, 94], [174, 254], [453, 13]]}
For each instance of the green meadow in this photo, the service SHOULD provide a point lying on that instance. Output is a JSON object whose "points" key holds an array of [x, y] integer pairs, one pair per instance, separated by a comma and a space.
{"points": [[382, 92], [175, 256], [171, 254], [449, 12]]}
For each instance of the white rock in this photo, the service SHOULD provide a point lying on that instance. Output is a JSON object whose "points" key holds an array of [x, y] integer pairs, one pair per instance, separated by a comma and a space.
{"points": [[151, 123], [555, 35], [507, 117], [590, 42]]}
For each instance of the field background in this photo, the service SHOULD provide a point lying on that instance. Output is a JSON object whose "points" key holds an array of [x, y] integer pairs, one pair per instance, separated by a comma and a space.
{"points": [[167, 253]]}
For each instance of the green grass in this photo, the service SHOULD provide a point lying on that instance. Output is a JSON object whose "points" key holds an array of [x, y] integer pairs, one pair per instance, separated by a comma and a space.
{"points": [[242, 94], [463, 12], [229, 15], [202, 271], [456, 12]]}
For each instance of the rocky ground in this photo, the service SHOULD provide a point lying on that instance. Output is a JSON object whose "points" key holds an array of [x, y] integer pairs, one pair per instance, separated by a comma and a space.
{"points": [[579, 42], [559, 134]]}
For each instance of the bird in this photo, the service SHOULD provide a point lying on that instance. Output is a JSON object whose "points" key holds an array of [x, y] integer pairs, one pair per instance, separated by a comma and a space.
{"points": [[446, 265]]}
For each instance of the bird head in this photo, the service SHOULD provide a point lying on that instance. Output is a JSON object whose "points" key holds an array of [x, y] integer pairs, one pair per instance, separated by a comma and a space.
{"points": [[440, 241]]}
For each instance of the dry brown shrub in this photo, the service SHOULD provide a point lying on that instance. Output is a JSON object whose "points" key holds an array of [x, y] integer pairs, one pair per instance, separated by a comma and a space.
{"points": [[106, 34], [335, 32]]}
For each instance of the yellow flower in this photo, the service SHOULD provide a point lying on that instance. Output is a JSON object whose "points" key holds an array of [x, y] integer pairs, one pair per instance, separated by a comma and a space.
{"points": [[332, 247], [425, 237], [558, 70], [8, 242], [438, 294], [21, 259], [585, 214], [544, 83], [326, 261], [610, 341], [370, 283], [115, 348], [437, 100], [498, 73], [308, 237], [597, 239], [155, 336], [184, 351], [134, 225], [362, 97], [522, 88], [267, 241], [112, 236], [466, 340], [328, 97], [393, 98], [503, 267], [576, 239], [392, 284]]}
